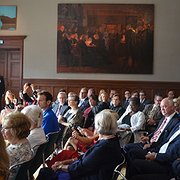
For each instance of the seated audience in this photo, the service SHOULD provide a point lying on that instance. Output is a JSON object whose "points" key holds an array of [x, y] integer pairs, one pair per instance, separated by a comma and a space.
{"points": [[135, 94], [4, 112], [171, 94], [60, 106], [115, 105], [159, 162], [102, 104], [153, 114], [143, 100], [154, 141], [125, 101], [15, 129], [83, 99], [37, 135], [100, 92], [29, 94], [131, 122], [101, 159], [91, 91], [89, 113], [10, 100], [111, 94], [49, 123], [177, 105], [73, 117], [4, 159], [80, 141]]}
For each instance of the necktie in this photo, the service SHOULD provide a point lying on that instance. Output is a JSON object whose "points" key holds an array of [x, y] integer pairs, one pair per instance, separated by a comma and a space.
{"points": [[58, 111], [158, 132], [165, 146], [153, 112]]}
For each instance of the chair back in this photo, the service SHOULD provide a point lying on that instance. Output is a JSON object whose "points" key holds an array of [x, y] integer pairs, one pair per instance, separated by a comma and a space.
{"points": [[117, 170], [52, 139], [26, 169], [38, 158], [20, 171]]}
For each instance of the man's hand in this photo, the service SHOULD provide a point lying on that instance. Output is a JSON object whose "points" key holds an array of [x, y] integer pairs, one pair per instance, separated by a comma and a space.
{"points": [[151, 122], [144, 139], [151, 156], [146, 146]]}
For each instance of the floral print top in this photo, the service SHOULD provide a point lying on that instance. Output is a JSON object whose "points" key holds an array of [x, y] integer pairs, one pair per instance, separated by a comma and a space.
{"points": [[18, 153]]}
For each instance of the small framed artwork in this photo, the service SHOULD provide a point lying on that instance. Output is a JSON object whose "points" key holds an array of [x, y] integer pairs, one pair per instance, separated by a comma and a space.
{"points": [[105, 38], [8, 17]]}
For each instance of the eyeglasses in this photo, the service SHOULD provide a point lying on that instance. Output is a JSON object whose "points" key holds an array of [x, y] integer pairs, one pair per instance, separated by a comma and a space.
{"points": [[5, 128]]}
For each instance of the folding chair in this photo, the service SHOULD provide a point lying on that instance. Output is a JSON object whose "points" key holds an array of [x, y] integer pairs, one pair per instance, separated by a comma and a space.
{"points": [[117, 170]]}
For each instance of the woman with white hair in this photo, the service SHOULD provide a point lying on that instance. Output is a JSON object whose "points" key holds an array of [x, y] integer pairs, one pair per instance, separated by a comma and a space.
{"points": [[100, 160], [37, 135]]}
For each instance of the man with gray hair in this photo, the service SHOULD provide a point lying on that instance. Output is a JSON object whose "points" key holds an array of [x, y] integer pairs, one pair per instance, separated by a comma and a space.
{"points": [[60, 106]]}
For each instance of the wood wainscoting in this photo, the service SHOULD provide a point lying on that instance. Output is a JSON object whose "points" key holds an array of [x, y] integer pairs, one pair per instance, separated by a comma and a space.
{"points": [[150, 87]]}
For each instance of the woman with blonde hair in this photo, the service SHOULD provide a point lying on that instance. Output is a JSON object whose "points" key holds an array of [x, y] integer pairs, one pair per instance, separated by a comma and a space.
{"points": [[10, 100], [15, 129], [4, 159]]}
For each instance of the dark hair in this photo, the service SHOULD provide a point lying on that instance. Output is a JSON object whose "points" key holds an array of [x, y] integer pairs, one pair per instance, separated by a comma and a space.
{"points": [[135, 100], [158, 94], [142, 91], [116, 95], [62, 90], [94, 97], [75, 98], [47, 95]]}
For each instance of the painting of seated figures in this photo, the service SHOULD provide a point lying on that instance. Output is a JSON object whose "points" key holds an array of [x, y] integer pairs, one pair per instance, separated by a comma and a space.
{"points": [[105, 38]]}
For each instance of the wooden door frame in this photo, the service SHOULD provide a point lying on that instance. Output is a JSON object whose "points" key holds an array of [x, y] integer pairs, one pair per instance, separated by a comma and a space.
{"points": [[15, 42]]}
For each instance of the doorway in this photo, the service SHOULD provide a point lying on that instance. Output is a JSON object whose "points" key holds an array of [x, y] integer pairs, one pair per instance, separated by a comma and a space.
{"points": [[10, 69], [11, 62]]}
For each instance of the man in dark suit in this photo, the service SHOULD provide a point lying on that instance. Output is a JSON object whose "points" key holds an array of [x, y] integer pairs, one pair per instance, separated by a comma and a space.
{"points": [[2, 90], [176, 167], [143, 100], [160, 162], [156, 139], [116, 105], [153, 114], [125, 102], [83, 99], [60, 106]]}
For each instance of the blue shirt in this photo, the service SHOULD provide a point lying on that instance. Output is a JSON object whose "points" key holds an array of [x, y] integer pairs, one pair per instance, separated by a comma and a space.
{"points": [[50, 122]]}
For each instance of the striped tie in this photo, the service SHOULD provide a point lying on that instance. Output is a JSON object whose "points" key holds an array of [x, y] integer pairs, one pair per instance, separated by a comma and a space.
{"points": [[158, 132]]}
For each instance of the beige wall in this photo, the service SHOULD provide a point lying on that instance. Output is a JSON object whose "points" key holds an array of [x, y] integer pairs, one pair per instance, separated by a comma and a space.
{"points": [[38, 20]]}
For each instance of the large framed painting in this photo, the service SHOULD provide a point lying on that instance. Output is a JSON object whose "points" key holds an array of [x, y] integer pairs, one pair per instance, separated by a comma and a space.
{"points": [[105, 38], [8, 17]]}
